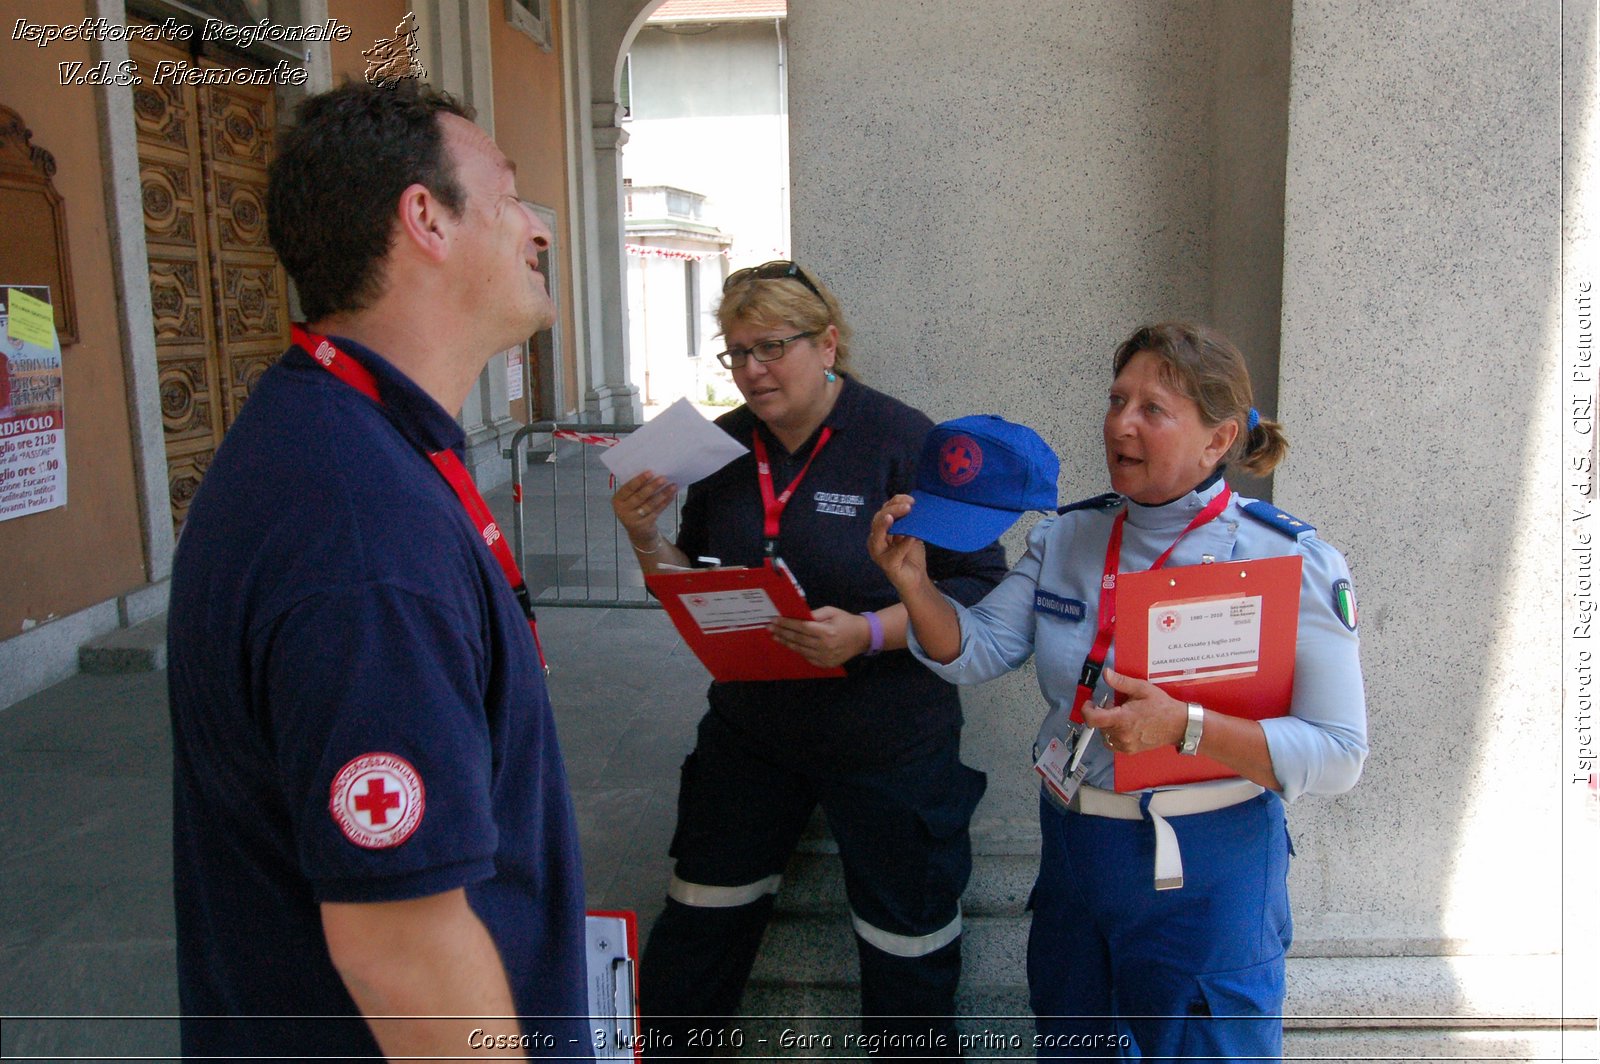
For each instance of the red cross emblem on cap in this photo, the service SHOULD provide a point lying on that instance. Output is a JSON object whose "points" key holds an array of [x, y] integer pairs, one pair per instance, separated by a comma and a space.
{"points": [[377, 801], [959, 460]]}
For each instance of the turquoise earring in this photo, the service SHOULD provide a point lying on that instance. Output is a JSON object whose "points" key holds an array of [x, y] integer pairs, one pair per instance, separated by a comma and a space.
{"points": [[829, 376]]}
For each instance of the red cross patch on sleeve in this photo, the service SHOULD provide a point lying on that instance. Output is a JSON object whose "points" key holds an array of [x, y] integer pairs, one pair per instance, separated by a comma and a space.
{"points": [[377, 800]]}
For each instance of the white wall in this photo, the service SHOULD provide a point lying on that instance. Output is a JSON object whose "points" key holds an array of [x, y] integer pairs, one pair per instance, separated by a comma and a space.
{"points": [[708, 118], [658, 302]]}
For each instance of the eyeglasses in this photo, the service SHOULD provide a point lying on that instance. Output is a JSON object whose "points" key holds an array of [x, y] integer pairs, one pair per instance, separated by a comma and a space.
{"points": [[765, 351], [776, 270]]}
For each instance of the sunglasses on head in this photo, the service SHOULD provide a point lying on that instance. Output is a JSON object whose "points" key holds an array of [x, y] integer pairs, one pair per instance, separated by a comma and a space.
{"points": [[776, 270]]}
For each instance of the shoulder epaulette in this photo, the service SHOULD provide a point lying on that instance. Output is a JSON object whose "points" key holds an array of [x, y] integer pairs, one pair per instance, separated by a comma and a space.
{"points": [[1099, 502], [1270, 515]]}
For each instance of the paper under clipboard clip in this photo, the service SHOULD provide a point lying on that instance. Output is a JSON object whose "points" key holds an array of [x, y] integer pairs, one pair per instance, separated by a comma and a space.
{"points": [[612, 941]]}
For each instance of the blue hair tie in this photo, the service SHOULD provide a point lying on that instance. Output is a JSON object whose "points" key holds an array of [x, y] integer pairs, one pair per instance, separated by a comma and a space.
{"points": [[1254, 419]]}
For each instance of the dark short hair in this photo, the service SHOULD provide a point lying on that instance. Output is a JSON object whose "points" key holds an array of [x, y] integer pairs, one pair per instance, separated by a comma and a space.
{"points": [[338, 175]]}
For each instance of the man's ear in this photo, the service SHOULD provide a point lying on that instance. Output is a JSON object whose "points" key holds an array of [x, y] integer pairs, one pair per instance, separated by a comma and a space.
{"points": [[422, 219]]}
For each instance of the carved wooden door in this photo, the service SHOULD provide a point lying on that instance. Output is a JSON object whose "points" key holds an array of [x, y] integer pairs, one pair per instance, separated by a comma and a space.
{"points": [[217, 290]]}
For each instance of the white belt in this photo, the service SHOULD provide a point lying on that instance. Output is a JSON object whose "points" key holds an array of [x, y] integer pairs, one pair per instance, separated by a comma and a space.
{"points": [[1179, 801]]}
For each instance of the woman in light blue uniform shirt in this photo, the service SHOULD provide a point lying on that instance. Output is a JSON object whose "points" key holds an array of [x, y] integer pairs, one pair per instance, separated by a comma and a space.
{"points": [[1116, 956]]}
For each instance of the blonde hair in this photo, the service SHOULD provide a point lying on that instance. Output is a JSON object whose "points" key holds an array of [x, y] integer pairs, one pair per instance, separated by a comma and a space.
{"points": [[1205, 366], [784, 302]]}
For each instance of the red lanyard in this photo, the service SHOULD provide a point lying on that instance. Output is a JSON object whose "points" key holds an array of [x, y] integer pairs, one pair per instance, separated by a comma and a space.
{"points": [[771, 505], [353, 373], [1106, 611]]}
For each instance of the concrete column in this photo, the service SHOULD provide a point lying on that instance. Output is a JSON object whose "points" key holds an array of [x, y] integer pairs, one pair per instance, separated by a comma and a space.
{"points": [[119, 148], [453, 36], [318, 62], [1420, 385], [610, 398], [609, 28], [1252, 130], [1580, 115], [439, 42]]}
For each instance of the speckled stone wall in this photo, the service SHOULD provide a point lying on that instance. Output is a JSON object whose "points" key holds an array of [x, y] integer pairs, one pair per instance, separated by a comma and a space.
{"points": [[1420, 385], [1000, 191]]}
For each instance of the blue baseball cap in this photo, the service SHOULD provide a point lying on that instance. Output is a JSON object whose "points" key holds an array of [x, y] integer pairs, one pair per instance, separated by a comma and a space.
{"points": [[977, 475]]}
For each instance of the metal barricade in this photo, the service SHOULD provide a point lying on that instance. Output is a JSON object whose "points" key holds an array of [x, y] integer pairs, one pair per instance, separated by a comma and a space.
{"points": [[598, 568]]}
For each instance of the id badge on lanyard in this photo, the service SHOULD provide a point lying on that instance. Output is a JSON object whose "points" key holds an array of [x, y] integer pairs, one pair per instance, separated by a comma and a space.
{"points": [[1061, 763], [772, 504]]}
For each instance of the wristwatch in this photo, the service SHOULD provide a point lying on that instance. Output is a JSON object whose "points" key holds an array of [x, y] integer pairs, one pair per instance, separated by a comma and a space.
{"points": [[1191, 733]]}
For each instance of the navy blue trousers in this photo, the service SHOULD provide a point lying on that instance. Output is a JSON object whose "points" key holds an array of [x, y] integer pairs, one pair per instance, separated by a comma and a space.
{"points": [[906, 855], [1117, 968]]}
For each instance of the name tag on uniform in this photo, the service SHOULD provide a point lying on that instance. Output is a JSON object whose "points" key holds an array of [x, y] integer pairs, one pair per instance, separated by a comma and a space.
{"points": [[1068, 609]]}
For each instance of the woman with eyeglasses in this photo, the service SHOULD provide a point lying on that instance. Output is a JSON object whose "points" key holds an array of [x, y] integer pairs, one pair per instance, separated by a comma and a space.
{"points": [[1160, 915], [878, 749]]}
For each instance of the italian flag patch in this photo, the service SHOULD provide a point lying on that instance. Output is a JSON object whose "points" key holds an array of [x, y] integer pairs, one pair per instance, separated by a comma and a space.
{"points": [[1344, 603]]}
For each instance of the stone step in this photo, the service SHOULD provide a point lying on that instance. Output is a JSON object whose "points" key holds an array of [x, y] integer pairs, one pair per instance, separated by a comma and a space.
{"points": [[140, 648], [1371, 1046], [819, 950], [807, 967], [991, 836], [814, 884], [820, 1022]]}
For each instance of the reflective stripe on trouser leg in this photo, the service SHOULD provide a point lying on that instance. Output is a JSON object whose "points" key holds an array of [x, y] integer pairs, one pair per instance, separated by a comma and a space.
{"points": [[910, 1001], [693, 972], [908, 945], [704, 896]]}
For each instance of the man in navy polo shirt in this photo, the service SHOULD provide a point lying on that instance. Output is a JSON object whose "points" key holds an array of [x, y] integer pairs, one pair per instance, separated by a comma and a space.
{"points": [[371, 817]]}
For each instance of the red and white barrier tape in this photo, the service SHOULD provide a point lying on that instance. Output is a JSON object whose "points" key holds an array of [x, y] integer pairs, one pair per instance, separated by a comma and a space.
{"points": [[585, 437]]}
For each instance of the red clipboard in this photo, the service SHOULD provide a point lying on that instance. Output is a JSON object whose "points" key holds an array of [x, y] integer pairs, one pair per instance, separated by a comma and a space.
{"points": [[1194, 614], [723, 614]]}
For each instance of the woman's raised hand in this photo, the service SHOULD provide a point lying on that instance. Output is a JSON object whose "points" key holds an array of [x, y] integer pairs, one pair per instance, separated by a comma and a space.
{"points": [[639, 503], [903, 559]]}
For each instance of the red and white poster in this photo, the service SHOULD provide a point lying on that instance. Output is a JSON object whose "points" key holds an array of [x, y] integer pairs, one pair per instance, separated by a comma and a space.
{"points": [[33, 433], [515, 360]]}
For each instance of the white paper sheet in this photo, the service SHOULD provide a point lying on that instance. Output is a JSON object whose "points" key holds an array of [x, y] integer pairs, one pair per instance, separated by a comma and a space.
{"points": [[1208, 638], [612, 1011], [678, 443], [730, 611]]}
